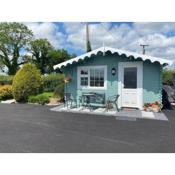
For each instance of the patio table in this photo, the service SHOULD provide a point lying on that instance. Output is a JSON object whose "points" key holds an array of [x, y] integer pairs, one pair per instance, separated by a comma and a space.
{"points": [[86, 98]]}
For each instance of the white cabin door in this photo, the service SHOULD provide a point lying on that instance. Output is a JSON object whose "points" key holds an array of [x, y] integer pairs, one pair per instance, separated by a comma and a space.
{"points": [[131, 84]]}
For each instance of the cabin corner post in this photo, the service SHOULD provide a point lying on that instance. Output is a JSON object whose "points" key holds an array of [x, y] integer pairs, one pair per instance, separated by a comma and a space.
{"points": [[161, 83]]}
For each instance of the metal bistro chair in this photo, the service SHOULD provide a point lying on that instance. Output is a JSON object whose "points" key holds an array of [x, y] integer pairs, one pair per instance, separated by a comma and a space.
{"points": [[112, 100], [69, 100], [80, 101]]}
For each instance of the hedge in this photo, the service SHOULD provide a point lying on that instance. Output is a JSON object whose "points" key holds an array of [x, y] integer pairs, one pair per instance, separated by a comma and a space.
{"points": [[51, 81]]}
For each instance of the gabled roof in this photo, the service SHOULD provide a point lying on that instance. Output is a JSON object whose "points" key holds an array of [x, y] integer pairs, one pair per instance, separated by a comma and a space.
{"points": [[112, 50]]}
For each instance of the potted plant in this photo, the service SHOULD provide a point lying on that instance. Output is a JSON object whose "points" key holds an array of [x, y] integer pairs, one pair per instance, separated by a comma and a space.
{"points": [[154, 107], [146, 106], [68, 79]]}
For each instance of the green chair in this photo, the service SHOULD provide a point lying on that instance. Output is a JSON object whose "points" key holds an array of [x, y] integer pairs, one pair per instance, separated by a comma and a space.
{"points": [[69, 100], [112, 100]]}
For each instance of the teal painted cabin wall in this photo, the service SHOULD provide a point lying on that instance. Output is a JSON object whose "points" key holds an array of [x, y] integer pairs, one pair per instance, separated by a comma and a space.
{"points": [[152, 82]]}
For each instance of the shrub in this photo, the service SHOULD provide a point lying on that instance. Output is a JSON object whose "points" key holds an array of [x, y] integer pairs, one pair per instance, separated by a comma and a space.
{"points": [[40, 99], [168, 76], [59, 91], [26, 82], [6, 92], [48, 94], [6, 80], [51, 81]]}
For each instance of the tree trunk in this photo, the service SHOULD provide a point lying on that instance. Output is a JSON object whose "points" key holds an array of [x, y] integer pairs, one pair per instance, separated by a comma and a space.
{"points": [[12, 69]]}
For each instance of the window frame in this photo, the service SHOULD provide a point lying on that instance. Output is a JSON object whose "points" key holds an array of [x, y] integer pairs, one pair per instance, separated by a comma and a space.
{"points": [[88, 68]]}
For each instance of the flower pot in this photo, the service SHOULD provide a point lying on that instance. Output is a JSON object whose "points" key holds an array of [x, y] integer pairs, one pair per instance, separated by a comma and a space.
{"points": [[145, 108], [154, 106], [150, 109], [155, 109], [68, 79]]}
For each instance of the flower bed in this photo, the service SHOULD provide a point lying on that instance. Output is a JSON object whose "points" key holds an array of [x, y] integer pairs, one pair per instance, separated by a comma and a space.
{"points": [[6, 92], [152, 107]]}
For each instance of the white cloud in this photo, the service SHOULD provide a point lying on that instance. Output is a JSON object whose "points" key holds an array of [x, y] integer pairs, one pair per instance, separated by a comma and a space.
{"points": [[154, 27], [77, 35], [125, 36], [118, 36], [122, 36], [49, 31]]}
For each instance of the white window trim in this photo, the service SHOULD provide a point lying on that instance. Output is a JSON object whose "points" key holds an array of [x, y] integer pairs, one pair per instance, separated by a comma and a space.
{"points": [[89, 87]]}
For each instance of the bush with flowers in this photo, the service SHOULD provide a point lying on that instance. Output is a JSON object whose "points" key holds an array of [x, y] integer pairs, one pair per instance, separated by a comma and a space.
{"points": [[153, 107], [6, 92]]}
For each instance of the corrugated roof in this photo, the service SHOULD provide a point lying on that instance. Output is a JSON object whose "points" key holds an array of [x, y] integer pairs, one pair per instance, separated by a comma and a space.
{"points": [[119, 52]]}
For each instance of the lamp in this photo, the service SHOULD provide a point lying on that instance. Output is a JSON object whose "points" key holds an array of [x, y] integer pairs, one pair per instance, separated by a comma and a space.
{"points": [[113, 71]]}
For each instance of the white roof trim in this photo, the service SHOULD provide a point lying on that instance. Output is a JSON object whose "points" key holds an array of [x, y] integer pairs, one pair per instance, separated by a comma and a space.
{"points": [[112, 50]]}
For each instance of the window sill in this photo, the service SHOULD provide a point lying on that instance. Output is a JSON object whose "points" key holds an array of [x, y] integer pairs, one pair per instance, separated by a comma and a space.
{"points": [[93, 88]]}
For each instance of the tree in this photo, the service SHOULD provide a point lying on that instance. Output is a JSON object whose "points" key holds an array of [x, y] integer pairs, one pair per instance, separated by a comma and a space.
{"points": [[45, 56], [58, 56], [168, 76], [14, 38], [40, 49]]}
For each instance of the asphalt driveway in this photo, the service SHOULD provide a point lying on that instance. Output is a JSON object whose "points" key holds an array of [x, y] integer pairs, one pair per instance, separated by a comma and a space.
{"points": [[34, 128]]}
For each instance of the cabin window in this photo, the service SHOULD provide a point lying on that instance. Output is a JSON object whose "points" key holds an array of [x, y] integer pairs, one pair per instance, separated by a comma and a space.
{"points": [[92, 76], [97, 77], [84, 81], [84, 77]]}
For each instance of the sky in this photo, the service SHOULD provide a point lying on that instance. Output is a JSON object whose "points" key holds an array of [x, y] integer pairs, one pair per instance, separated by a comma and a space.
{"points": [[160, 36]]}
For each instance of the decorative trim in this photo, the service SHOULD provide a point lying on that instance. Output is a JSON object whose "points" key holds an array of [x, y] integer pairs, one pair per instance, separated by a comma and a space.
{"points": [[119, 52]]}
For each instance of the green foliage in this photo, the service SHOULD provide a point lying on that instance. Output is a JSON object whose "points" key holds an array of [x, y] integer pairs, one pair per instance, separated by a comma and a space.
{"points": [[51, 81], [48, 94], [13, 37], [168, 76], [58, 56], [40, 99], [40, 49], [16, 37], [6, 92], [59, 91], [45, 57], [6, 80], [26, 82]]}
